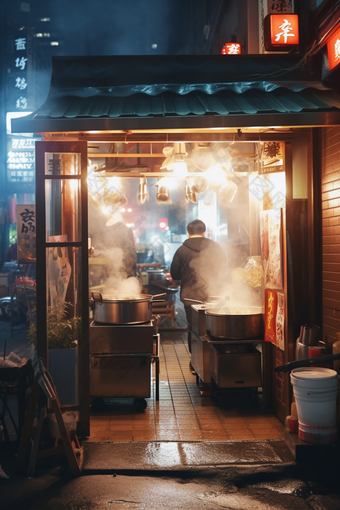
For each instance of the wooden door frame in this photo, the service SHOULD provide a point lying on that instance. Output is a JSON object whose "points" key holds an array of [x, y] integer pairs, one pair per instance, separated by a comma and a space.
{"points": [[43, 147]]}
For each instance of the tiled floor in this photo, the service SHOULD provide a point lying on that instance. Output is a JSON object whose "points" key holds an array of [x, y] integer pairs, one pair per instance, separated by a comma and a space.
{"points": [[182, 413]]}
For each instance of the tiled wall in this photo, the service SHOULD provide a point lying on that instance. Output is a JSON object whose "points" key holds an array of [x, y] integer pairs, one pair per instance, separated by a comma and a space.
{"points": [[331, 232]]}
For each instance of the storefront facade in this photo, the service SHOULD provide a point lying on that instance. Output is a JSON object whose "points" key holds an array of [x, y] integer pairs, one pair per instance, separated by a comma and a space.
{"points": [[217, 102]]}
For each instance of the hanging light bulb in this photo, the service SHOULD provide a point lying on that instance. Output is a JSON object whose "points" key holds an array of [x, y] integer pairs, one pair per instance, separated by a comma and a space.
{"points": [[180, 167], [175, 159], [143, 194], [216, 177]]}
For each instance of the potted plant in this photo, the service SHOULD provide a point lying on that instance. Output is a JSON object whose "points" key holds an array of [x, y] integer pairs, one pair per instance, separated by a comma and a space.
{"points": [[62, 334]]}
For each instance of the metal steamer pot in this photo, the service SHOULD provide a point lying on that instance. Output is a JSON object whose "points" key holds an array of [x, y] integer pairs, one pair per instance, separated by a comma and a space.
{"points": [[236, 324], [132, 309]]}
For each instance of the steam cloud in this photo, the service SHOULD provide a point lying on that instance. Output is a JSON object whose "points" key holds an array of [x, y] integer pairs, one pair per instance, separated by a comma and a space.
{"points": [[118, 283]]}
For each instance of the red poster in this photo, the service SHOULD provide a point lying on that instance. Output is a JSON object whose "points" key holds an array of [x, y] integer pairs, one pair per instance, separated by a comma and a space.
{"points": [[270, 316], [333, 47]]}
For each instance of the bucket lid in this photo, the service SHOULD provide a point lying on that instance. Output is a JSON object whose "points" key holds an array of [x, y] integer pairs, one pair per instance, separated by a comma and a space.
{"points": [[314, 373]]}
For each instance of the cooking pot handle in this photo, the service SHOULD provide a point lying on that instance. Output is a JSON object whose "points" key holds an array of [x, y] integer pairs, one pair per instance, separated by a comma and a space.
{"points": [[97, 296], [308, 362], [193, 300], [158, 296]]}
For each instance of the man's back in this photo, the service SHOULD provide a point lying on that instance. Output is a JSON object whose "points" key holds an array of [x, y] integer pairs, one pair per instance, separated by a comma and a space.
{"points": [[200, 264]]}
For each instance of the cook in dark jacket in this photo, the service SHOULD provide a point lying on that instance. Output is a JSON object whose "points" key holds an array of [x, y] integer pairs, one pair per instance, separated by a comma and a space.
{"points": [[200, 265]]}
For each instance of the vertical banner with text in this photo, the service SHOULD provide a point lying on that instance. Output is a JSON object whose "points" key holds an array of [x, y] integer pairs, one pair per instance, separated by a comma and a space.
{"points": [[270, 316], [26, 229]]}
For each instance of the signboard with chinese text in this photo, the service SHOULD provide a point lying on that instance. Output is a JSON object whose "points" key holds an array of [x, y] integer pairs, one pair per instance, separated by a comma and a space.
{"points": [[271, 7], [280, 6], [272, 157], [333, 50], [281, 32], [20, 159], [270, 316], [17, 85], [26, 232], [232, 48]]}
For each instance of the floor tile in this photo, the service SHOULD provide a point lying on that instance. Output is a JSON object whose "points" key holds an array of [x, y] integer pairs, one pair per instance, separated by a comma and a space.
{"points": [[120, 426], [241, 437], [190, 436], [213, 435], [144, 436], [168, 436], [122, 435], [142, 427], [211, 426]]}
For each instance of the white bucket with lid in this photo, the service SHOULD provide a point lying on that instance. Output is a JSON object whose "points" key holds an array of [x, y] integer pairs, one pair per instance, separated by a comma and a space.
{"points": [[315, 391]]}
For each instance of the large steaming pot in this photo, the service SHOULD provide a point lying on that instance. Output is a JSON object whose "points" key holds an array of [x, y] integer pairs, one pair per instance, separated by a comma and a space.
{"points": [[236, 324], [112, 309]]}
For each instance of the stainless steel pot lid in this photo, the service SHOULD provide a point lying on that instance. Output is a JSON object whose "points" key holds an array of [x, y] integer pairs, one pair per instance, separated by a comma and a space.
{"points": [[123, 297], [234, 310], [96, 296]]}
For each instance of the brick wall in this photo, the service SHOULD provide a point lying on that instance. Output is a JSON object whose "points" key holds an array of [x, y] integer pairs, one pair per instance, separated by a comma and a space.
{"points": [[330, 232]]}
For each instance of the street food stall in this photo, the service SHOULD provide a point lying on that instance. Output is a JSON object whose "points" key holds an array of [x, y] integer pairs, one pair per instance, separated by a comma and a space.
{"points": [[161, 141]]}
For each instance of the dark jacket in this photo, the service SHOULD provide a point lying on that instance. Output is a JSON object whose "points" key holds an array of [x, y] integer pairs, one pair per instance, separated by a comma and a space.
{"points": [[200, 265]]}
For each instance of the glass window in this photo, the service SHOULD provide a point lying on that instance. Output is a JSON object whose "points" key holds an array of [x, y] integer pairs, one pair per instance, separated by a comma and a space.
{"points": [[63, 296], [63, 211], [62, 163]]}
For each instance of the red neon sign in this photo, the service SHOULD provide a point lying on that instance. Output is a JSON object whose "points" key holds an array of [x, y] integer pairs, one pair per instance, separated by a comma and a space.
{"points": [[281, 31], [333, 50], [232, 48]]}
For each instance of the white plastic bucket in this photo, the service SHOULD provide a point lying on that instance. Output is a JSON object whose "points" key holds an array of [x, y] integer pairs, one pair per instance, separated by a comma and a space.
{"points": [[315, 391]]}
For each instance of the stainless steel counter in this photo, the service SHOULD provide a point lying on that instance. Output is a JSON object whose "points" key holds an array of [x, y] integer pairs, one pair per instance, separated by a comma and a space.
{"points": [[120, 361], [118, 339]]}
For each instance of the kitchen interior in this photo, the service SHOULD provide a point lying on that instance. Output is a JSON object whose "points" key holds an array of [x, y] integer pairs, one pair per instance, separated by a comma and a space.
{"points": [[142, 385]]}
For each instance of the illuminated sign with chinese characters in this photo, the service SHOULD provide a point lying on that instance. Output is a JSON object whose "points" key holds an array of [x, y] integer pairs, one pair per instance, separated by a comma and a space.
{"points": [[19, 74], [20, 159], [20, 154], [333, 50], [281, 32], [232, 48]]}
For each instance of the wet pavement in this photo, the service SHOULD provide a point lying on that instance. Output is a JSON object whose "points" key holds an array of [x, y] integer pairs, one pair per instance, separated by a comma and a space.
{"points": [[232, 474], [161, 480], [110, 457]]}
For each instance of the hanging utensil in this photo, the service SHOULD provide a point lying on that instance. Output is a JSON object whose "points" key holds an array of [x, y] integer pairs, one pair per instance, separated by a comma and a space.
{"points": [[163, 195], [200, 184], [143, 194], [190, 196]]}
